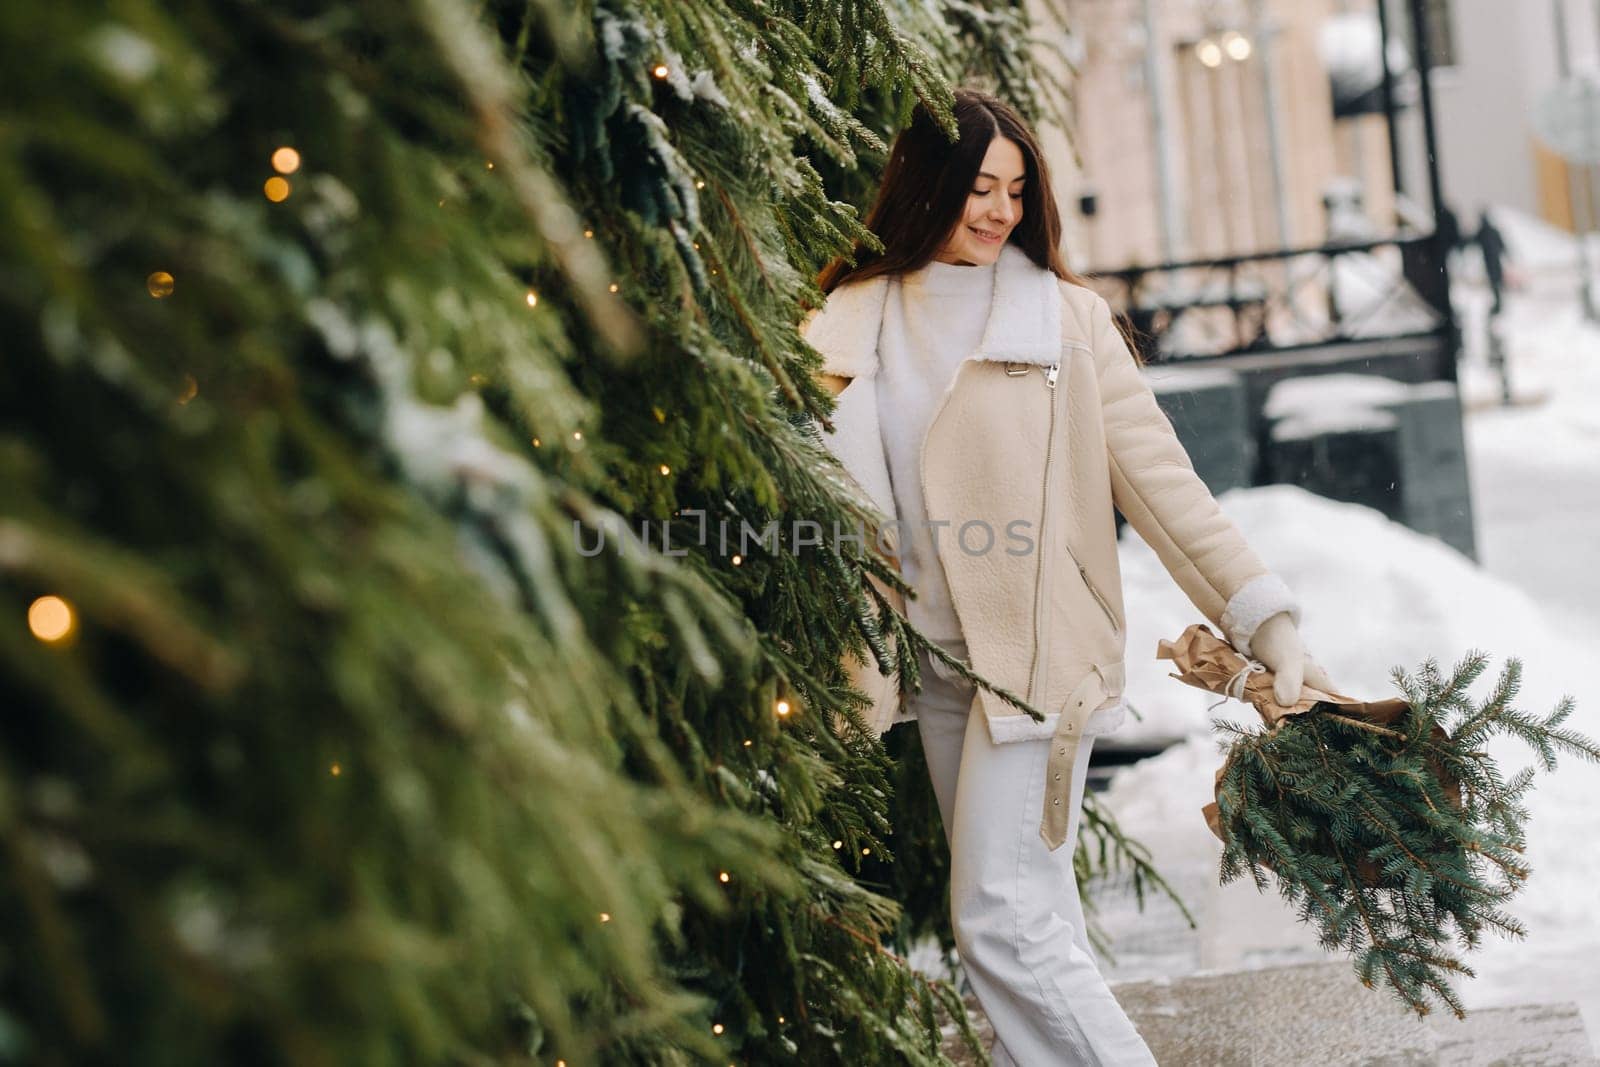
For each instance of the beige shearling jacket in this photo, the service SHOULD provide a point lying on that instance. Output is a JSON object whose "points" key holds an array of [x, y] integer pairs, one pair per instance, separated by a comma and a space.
{"points": [[1044, 429]]}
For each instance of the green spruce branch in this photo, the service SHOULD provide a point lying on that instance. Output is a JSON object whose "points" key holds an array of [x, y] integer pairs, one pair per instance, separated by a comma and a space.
{"points": [[1394, 841]]}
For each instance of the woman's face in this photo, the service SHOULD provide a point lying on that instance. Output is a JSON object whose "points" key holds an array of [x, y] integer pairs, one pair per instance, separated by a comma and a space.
{"points": [[994, 207]]}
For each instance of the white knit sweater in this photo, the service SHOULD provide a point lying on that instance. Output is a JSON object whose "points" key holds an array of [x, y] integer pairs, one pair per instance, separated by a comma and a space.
{"points": [[933, 319]]}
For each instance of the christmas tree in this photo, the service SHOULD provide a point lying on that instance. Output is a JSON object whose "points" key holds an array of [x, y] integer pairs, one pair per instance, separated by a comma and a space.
{"points": [[337, 337]]}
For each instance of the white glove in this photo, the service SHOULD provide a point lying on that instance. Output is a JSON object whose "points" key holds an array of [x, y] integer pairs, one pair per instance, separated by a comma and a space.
{"points": [[1276, 643]]}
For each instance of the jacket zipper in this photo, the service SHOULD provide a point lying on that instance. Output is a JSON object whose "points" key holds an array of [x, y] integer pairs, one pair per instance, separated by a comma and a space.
{"points": [[1105, 606], [1040, 584], [1040, 653]]}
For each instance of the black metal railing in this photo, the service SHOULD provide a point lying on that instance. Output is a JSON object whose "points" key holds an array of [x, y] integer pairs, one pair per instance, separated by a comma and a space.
{"points": [[1284, 300]]}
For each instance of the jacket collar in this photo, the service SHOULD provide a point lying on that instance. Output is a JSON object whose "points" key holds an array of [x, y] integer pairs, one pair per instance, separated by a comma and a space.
{"points": [[1024, 319]]}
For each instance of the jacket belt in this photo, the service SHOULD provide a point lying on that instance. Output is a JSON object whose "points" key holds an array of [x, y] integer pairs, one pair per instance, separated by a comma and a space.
{"points": [[1089, 694]]}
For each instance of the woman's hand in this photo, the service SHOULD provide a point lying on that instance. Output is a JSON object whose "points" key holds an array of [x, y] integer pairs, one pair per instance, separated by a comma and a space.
{"points": [[1276, 643]]}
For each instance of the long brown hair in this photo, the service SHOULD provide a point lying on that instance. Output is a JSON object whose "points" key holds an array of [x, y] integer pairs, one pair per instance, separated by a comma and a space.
{"points": [[924, 193], [926, 184]]}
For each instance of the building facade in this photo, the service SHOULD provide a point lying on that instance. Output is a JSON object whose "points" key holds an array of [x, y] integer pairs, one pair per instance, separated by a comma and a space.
{"points": [[1209, 128]]}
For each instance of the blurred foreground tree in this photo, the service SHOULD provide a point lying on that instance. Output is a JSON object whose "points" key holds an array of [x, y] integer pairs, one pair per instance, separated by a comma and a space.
{"points": [[337, 334]]}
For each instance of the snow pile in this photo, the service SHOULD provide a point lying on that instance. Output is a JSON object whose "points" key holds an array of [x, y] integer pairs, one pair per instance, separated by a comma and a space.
{"points": [[1374, 297], [1321, 404], [1350, 46], [1535, 245], [1304, 396]]}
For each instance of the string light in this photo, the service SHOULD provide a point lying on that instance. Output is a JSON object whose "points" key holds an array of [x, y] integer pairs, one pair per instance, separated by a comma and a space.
{"points": [[723, 877], [1237, 46], [780, 1020], [532, 298], [336, 770], [51, 619], [716, 1028], [665, 470], [605, 916], [700, 183], [866, 852], [285, 160], [838, 844], [536, 442], [1209, 52], [738, 560], [783, 707], [577, 435], [660, 71], [613, 287], [276, 189], [159, 284], [588, 233], [748, 742], [488, 164]]}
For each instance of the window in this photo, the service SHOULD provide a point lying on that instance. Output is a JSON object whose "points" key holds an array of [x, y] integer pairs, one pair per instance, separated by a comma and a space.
{"points": [[1441, 29]]}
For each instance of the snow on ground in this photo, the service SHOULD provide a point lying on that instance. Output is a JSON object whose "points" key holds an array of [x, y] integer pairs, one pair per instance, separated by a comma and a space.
{"points": [[1377, 596]]}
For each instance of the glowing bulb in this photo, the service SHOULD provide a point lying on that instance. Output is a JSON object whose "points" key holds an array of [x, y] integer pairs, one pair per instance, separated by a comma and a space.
{"points": [[577, 435], [748, 742], [780, 1019], [737, 560], [605, 916], [723, 877], [1209, 52], [783, 707], [532, 298], [866, 852], [588, 233], [536, 442], [660, 71], [838, 844], [277, 189], [285, 160], [1237, 46], [336, 770], [51, 619], [488, 164], [700, 183], [159, 284], [613, 287]]}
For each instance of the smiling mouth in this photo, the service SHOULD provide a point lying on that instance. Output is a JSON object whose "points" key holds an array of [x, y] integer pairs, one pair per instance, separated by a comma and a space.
{"points": [[984, 234]]}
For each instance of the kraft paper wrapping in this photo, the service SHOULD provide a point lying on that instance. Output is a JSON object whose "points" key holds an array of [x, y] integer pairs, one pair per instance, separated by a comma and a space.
{"points": [[1207, 662]]}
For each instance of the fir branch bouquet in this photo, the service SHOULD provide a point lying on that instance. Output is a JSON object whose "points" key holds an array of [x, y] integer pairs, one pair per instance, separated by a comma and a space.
{"points": [[1387, 825]]}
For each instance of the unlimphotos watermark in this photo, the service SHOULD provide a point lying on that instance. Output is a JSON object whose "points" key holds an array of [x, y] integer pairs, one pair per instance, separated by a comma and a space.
{"points": [[671, 537]]}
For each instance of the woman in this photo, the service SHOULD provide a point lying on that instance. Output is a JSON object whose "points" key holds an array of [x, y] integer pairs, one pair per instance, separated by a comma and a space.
{"points": [[987, 404]]}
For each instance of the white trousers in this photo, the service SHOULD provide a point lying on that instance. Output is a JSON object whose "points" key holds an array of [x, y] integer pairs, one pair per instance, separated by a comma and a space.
{"points": [[1013, 902]]}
